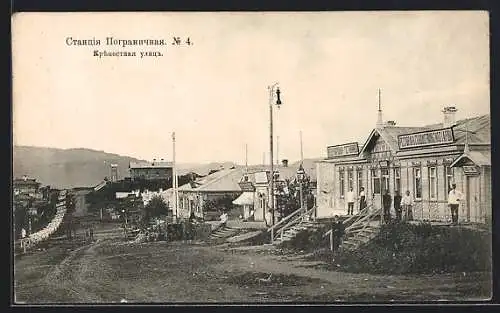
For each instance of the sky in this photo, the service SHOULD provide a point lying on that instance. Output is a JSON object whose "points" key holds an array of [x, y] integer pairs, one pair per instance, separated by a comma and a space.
{"points": [[213, 93]]}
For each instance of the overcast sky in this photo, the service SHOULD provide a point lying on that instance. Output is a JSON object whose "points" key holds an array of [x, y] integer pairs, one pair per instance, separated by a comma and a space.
{"points": [[214, 95]]}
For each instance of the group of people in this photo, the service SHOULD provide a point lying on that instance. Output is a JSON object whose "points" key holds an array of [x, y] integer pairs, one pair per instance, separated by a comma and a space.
{"points": [[89, 233], [351, 198], [403, 205]]}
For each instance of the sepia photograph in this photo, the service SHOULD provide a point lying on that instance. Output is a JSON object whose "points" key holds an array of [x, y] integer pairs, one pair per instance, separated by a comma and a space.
{"points": [[251, 158]]}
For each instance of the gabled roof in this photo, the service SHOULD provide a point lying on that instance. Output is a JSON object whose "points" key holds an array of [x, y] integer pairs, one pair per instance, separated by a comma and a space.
{"points": [[220, 181], [477, 129], [390, 134], [479, 158]]}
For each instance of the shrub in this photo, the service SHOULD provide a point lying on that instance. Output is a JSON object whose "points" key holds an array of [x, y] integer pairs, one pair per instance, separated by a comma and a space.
{"points": [[308, 240], [405, 248]]}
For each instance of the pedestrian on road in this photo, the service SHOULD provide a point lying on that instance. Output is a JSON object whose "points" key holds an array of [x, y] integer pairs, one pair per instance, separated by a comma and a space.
{"points": [[91, 230], [454, 198], [407, 204], [350, 202], [397, 206], [362, 199], [23, 233], [386, 202]]}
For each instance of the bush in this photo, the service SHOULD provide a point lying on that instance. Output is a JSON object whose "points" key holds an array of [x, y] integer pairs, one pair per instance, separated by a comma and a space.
{"points": [[405, 248], [308, 240]]}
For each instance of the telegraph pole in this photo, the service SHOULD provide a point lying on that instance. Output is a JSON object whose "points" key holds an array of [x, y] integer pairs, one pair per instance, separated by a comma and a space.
{"points": [[271, 157], [174, 177]]}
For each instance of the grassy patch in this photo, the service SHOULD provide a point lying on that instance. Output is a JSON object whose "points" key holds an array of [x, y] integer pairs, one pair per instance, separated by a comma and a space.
{"points": [[252, 279], [404, 248], [308, 240]]}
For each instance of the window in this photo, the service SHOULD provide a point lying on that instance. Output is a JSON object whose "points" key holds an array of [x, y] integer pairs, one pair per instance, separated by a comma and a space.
{"points": [[375, 181], [360, 180], [350, 179], [448, 176], [341, 183], [397, 179], [432, 183], [385, 180], [417, 175]]}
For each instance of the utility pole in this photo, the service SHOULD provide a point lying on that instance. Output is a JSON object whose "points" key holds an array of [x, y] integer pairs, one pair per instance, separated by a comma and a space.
{"points": [[246, 158], [174, 178], [271, 158], [277, 151], [302, 170]]}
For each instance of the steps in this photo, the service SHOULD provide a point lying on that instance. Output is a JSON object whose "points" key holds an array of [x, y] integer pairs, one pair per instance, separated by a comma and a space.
{"points": [[222, 233], [360, 234], [292, 232]]}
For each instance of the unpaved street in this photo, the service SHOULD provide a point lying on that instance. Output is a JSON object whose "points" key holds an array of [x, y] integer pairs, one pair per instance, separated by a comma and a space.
{"points": [[110, 270]]}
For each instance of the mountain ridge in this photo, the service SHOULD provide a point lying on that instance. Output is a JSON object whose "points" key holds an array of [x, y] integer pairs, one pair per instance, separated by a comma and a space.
{"points": [[84, 167]]}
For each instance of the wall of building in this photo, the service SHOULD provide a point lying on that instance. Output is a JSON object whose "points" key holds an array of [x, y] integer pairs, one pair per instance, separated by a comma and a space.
{"points": [[151, 173], [426, 207]]}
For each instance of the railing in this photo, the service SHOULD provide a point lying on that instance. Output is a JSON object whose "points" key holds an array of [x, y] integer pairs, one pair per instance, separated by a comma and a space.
{"points": [[279, 225], [292, 221], [359, 223]]}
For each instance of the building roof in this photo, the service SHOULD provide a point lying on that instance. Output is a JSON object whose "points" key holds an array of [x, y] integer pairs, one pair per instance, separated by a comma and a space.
{"points": [[225, 180], [480, 158], [154, 164], [477, 130], [26, 181]]}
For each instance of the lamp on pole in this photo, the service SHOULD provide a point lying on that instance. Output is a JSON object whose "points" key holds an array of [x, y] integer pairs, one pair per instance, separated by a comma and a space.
{"points": [[273, 90]]}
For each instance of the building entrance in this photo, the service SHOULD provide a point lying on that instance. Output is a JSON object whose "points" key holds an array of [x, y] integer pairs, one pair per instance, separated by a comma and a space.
{"points": [[472, 207]]}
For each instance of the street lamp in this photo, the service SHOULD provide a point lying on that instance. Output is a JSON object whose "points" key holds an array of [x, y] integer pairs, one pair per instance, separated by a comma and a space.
{"points": [[273, 90]]}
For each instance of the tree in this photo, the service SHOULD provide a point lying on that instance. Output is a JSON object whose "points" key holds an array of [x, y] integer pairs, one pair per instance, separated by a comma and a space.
{"points": [[155, 208]]}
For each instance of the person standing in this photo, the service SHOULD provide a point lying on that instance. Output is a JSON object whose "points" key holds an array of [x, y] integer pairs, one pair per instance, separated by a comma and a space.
{"points": [[362, 199], [397, 206], [454, 198], [407, 204], [338, 233], [386, 203], [91, 230], [350, 202], [269, 217]]}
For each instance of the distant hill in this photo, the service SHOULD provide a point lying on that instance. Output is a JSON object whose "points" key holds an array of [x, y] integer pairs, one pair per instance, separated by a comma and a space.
{"points": [[80, 167]]}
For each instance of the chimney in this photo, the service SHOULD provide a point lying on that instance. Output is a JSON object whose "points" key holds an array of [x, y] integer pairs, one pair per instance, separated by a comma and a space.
{"points": [[391, 123], [284, 162], [449, 116]]}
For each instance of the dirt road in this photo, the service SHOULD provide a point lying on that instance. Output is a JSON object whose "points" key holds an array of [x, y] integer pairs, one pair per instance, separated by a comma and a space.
{"points": [[110, 270]]}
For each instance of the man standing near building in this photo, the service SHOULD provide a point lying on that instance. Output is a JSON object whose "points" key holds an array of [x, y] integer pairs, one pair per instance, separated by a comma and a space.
{"points": [[350, 202], [362, 199], [386, 203], [407, 204], [397, 206], [454, 198]]}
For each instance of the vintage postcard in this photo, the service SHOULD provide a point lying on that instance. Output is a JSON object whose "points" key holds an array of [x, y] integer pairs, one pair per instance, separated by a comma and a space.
{"points": [[251, 157]]}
